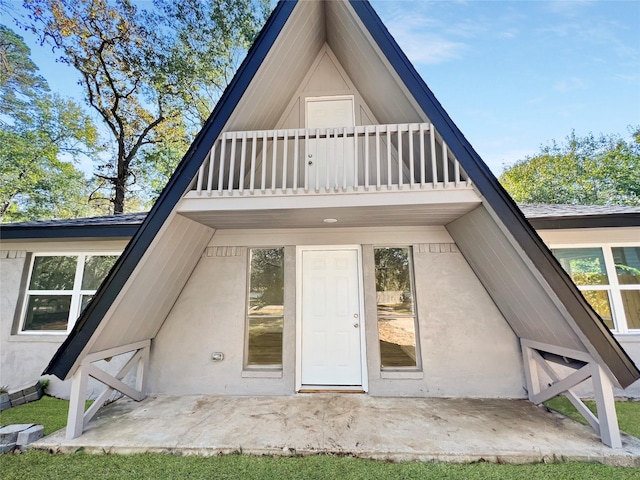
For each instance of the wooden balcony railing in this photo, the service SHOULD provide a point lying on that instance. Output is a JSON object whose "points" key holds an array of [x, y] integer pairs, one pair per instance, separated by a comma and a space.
{"points": [[328, 160]]}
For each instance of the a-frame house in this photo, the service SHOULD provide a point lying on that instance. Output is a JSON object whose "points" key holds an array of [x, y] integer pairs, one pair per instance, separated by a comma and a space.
{"points": [[330, 228]]}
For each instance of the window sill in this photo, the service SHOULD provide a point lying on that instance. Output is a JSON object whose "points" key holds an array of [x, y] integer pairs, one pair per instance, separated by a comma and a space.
{"points": [[39, 337], [406, 375], [262, 374], [627, 337]]}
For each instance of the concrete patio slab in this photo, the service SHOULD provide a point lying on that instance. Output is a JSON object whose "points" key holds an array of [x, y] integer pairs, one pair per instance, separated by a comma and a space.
{"points": [[398, 429]]}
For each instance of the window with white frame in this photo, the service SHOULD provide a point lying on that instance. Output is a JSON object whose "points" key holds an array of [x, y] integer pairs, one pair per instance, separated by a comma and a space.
{"points": [[397, 317], [265, 308], [609, 278], [59, 286]]}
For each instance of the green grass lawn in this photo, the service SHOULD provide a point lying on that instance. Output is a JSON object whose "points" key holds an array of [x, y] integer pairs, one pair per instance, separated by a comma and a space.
{"points": [[51, 413], [48, 411], [158, 466], [628, 413]]}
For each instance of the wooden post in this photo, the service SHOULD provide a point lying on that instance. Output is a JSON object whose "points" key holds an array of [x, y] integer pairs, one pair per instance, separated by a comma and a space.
{"points": [[75, 419], [285, 161], [366, 158], [77, 416], [296, 159], [434, 160], [378, 157], [603, 391], [223, 152], [212, 163], [530, 372], [412, 167], [252, 178], [606, 423], [141, 372], [400, 159]]}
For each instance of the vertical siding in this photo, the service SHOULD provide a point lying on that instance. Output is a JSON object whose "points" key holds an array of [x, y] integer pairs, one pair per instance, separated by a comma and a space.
{"points": [[153, 288], [283, 70], [326, 77], [514, 288], [365, 67], [312, 24]]}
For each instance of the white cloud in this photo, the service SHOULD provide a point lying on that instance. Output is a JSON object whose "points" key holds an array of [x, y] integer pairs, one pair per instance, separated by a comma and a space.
{"points": [[588, 31], [539, 100], [418, 38], [508, 33], [570, 84], [435, 32], [468, 28], [568, 7], [430, 49], [629, 78]]}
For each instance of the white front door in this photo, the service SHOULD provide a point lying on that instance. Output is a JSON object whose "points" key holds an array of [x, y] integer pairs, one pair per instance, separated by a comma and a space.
{"points": [[330, 158], [330, 338]]}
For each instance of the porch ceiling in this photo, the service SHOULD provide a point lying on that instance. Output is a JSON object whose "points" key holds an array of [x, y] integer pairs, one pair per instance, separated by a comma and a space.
{"points": [[347, 216]]}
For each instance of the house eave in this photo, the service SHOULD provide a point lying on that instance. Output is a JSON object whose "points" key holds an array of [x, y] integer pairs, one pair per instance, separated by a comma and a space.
{"points": [[585, 221], [50, 232]]}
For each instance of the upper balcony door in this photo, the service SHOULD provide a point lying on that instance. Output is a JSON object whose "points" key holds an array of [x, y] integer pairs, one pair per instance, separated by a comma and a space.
{"points": [[330, 158]]}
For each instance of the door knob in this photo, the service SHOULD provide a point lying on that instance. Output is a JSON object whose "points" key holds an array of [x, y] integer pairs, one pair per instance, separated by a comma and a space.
{"points": [[355, 315], [356, 325]]}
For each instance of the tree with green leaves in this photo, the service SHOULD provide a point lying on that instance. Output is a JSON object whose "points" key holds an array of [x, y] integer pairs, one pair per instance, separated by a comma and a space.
{"points": [[149, 74], [204, 45], [40, 135], [589, 170], [267, 278], [114, 53]]}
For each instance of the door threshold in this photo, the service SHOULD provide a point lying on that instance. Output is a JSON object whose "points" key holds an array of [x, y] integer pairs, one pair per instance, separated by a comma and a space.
{"points": [[321, 389]]}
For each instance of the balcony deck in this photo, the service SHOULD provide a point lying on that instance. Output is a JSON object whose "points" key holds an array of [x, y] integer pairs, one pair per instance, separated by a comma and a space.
{"points": [[401, 174]]}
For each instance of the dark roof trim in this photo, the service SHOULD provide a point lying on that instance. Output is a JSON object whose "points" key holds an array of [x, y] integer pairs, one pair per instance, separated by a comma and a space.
{"points": [[65, 357], [505, 208], [541, 216], [51, 232], [110, 226], [586, 221]]}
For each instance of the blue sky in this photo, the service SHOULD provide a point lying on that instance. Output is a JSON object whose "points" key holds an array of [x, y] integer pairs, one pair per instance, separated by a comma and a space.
{"points": [[512, 74], [515, 74]]}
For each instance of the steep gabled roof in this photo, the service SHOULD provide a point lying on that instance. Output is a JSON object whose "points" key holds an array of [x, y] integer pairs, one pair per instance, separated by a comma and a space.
{"points": [[508, 218]]}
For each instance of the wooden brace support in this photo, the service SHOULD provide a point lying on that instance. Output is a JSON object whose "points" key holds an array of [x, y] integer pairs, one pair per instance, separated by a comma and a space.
{"points": [[605, 424], [78, 418]]}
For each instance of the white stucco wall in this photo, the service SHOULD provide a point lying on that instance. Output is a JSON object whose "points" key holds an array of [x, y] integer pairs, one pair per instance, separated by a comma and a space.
{"points": [[22, 359], [209, 317], [467, 348], [23, 356]]}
